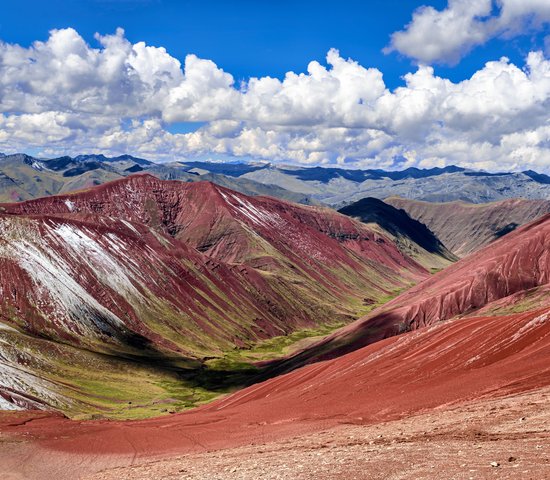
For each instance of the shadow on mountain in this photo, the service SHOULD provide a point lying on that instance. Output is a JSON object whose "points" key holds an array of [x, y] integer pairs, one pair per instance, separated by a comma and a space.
{"points": [[395, 221]]}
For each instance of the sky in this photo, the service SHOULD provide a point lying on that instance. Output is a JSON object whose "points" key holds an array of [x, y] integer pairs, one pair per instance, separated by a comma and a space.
{"points": [[358, 84]]}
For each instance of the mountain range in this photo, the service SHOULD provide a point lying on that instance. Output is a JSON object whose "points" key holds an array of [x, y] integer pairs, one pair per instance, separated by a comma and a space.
{"points": [[125, 296], [23, 177]]}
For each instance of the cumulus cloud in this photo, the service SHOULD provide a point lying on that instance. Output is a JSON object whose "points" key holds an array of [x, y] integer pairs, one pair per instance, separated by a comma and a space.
{"points": [[446, 35], [64, 96]]}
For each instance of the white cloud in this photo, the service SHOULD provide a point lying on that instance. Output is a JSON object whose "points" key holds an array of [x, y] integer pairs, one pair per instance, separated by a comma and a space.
{"points": [[65, 97], [446, 35]]}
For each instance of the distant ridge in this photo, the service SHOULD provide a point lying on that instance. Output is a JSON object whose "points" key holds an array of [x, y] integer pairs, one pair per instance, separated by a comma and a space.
{"points": [[465, 228], [309, 185]]}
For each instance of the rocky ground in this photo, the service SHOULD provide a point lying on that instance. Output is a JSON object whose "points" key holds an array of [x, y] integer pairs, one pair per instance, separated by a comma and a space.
{"points": [[503, 438]]}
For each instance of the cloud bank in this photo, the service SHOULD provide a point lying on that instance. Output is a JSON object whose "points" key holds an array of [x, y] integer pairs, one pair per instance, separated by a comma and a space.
{"points": [[445, 36], [64, 96]]}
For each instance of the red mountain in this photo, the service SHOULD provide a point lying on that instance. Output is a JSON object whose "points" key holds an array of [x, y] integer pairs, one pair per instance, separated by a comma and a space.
{"points": [[510, 267], [173, 272]]}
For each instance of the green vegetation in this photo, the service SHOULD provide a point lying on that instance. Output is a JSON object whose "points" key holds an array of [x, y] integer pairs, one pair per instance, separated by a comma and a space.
{"points": [[90, 385]]}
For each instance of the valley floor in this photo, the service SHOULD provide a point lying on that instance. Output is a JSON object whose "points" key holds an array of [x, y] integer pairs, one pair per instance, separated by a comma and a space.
{"points": [[504, 438]]}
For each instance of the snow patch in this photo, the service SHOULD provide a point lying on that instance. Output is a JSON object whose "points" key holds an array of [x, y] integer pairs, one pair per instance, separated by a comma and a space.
{"points": [[15, 377], [105, 266], [531, 325], [255, 215], [70, 205], [57, 289]]}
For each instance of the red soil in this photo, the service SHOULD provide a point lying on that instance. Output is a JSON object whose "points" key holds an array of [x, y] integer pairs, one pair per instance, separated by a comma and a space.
{"points": [[466, 359], [518, 262]]}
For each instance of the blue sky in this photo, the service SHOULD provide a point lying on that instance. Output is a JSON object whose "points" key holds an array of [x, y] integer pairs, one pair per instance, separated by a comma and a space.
{"points": [[381, 98], [250, 37]]}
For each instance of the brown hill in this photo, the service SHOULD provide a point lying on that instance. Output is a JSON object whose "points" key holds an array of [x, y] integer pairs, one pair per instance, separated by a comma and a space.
{"points": [[465, 227]]}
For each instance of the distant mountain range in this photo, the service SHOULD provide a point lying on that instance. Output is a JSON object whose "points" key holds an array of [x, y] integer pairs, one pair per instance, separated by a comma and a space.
{"points": [[23, 177], [464, 227]]}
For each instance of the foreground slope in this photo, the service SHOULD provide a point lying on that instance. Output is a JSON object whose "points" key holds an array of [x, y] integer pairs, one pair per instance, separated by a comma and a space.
{"points": [[141, 278], [464, 360], [465, 227]]}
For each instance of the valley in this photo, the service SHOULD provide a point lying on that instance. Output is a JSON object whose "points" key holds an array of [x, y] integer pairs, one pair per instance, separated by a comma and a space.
{"points": [[186, 308]]}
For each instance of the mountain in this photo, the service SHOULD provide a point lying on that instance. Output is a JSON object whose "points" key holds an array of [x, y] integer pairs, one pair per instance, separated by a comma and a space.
{"points": [[143, 279], [464, 227], [338, 186], [411, 236], [506, 269], [23, 177], [334, 187], [475, 364]]}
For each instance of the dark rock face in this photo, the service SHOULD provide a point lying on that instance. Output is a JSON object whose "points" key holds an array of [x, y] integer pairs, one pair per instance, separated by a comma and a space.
{"points": [[395, 221]]}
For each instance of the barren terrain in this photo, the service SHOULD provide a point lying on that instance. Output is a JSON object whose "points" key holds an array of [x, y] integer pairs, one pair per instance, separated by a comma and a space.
{"points": [[501, 438]]}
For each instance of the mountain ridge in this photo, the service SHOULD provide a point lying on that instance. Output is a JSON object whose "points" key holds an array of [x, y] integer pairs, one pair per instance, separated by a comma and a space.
{"points": [[166, 274], [308, 185]]}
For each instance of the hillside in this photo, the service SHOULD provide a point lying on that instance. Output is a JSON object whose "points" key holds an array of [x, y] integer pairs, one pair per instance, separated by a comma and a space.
{"points": [[144, 279], [465, 227], [514, 265], [383, 397], [23, 177], [410, 235]]}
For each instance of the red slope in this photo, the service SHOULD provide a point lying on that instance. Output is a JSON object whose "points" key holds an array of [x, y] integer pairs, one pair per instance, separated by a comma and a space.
{"points": [[317, 255], [453, 362], [225, 224], [83, 281], [517, 262]]}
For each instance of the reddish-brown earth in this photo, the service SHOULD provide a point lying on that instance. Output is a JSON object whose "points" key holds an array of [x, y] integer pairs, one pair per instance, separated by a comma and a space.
{"points": [[225, 224], [505, 438], [466, 227], [516, 263], [436, 367], [173, 272]]}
